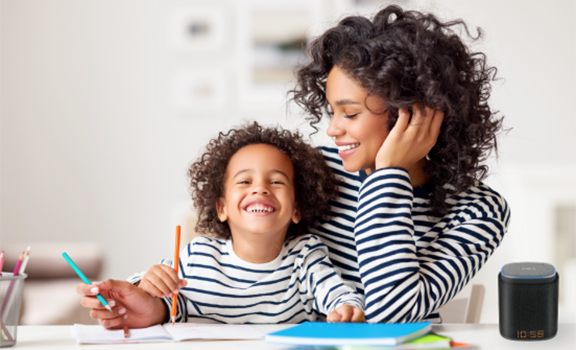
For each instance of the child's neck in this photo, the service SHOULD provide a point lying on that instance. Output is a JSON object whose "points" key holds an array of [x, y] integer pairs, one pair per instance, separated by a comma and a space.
{"points": [[257, 249]]}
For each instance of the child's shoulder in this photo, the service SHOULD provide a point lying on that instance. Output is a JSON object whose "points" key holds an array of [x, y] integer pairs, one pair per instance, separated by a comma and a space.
{"points": [[209, 242], [306, 243]]}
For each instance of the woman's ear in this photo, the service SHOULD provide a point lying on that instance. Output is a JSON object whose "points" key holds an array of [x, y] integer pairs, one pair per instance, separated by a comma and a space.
{"points": [[296, 216], [221, 209]]}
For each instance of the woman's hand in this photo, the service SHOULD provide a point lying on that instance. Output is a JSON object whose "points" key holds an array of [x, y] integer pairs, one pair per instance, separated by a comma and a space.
{"points": [[161, 280], [410, 140], [131, 305], [346, 313]]}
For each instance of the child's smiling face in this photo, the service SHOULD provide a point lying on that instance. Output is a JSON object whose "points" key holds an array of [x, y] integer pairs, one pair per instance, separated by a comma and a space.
{"points": [[259, 196]]}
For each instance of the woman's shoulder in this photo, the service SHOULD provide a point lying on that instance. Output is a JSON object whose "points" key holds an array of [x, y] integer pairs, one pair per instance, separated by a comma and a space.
{"points": [[334, 161], [331, 156]]}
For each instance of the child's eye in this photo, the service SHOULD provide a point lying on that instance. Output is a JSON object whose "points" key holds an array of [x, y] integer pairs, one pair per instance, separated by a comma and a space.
{"points": [[349, 116], [243, 182], [277, 183]]}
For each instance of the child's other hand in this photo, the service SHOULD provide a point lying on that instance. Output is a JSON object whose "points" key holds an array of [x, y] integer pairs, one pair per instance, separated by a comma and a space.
{"points": [[346, 313], [161, 280]]}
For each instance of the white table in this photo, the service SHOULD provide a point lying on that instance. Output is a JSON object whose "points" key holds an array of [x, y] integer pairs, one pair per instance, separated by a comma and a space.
{"points": [[486, 336]]}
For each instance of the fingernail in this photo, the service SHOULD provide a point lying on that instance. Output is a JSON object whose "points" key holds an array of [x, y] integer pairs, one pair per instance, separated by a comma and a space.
{"points": [[121, 311], [97, 283], [94, 290], [175, 291], [126, 316], [111, 303]]}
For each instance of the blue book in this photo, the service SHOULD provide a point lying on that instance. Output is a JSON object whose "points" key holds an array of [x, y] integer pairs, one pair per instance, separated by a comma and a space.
{"points": [[338, 334]]}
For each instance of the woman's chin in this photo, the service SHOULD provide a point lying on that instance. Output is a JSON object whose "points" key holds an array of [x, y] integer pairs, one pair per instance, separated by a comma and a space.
{"points": [[351, 168]]}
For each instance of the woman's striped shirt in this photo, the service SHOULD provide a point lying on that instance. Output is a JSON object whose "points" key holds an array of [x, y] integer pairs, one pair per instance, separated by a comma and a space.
{"points": [[297, 286], [408, 262]]}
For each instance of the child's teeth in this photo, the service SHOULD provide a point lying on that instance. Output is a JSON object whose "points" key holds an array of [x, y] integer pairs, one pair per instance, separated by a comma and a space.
{"points": [[259, 210]]}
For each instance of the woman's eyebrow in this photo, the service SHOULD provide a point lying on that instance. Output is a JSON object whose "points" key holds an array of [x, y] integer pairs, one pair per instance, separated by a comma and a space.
{"points": [[346, 102]]}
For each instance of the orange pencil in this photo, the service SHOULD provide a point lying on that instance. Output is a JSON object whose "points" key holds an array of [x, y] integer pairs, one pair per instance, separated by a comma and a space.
{"points": [[176, 263]]}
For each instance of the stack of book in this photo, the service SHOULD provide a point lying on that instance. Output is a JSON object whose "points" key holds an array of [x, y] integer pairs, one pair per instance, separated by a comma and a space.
{"points": [[365, 336]]}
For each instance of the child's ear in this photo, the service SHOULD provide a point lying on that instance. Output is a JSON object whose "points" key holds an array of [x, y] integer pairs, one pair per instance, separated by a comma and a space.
{"points": [[296, 216], [221, 209]]}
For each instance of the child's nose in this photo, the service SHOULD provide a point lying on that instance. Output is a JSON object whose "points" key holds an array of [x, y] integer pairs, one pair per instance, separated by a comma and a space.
{"points": [[260, 189]]}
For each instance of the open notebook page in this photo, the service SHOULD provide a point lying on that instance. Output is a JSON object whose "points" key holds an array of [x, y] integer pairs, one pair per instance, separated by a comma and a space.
{"points": [[85, 334], [98, 335]]}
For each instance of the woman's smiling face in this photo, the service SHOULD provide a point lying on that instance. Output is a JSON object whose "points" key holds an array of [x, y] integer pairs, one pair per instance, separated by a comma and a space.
{"points": [[358, 122]]}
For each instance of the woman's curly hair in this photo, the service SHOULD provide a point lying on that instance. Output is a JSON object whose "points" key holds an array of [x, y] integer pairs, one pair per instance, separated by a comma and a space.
{"points": [[314, 183], [410, 58]]}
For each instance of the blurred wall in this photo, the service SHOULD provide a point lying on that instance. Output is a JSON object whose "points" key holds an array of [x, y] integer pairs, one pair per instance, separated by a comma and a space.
{"points": [[93, 148]]}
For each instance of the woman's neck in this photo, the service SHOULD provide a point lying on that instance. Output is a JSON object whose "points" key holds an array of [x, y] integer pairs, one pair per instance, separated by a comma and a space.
{"points": [[418, 175]]}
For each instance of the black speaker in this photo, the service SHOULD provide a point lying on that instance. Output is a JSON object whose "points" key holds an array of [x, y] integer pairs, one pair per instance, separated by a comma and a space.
{"points": [[528, 301]]}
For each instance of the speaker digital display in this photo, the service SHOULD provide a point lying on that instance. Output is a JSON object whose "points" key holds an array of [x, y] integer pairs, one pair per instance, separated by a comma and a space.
{"points": [[528, 301]]}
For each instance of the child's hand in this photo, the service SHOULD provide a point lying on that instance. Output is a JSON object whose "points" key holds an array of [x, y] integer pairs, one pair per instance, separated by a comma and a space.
{"points": [[346, 313], [131, 306], [161, 280]]}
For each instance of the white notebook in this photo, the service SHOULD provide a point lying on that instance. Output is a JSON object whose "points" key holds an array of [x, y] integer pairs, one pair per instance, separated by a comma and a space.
{"points": [[164, 333]]}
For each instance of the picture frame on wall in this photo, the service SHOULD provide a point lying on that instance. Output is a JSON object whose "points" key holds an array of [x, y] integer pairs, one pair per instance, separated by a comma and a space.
{"points": [[198, 29], [270, 40], [197, 92]]}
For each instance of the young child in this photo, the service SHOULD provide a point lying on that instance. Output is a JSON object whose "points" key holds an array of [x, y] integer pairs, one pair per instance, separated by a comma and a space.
{"points": [[257, 191]]}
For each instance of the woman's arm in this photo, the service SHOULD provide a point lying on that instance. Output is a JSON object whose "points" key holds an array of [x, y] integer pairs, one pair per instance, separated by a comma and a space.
{"points": [[131, 305], [404, 283]]}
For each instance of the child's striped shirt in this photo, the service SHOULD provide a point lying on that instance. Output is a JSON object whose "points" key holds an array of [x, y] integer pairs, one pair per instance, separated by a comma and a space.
{"points": [[295, 287]]}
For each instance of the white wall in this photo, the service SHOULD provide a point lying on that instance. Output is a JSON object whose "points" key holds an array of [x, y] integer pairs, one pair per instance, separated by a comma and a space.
{"points": [[93, 150], [533, 45]]}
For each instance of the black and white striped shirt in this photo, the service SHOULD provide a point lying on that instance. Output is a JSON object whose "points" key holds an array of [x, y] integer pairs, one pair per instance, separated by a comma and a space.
{"points": [[297, 286], [406, 261]]}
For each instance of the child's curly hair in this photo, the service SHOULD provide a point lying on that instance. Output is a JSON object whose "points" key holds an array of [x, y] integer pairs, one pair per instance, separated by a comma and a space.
{"points": [[314, 183], [409, 58]]}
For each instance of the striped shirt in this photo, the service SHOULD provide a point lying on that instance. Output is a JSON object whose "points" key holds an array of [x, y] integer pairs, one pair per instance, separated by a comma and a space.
{"points": [[297, 286], [406, 261]]}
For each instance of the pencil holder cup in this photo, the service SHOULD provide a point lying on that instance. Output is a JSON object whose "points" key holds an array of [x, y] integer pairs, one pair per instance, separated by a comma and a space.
{"points": [[11, 288]]}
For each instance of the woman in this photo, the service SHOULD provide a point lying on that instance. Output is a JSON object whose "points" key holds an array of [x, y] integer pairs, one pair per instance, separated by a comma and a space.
{"points": [[409, 115]]}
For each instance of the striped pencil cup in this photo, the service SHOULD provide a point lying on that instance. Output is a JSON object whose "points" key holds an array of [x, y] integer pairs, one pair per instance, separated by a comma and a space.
{"points": [[11, 288]]}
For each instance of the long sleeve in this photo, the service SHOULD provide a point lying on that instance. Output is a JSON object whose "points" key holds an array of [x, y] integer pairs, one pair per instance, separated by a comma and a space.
{"points": [[406, 280], [320, 280]]}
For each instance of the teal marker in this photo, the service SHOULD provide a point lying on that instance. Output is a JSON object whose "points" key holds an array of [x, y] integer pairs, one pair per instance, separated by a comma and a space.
{"points": [[102, 300]]}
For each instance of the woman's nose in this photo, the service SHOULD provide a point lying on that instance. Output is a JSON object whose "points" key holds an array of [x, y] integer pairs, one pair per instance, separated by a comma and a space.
{"points": [[334, 128]]}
